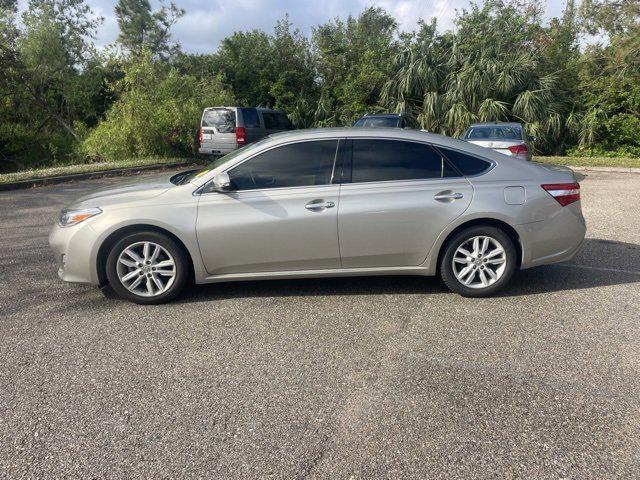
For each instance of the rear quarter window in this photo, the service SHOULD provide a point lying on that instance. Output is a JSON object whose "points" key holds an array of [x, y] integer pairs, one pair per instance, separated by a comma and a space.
{"points": [[466, 164], [276, 121]]}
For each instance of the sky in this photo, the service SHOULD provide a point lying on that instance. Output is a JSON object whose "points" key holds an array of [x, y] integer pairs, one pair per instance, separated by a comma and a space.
{"points": [[209, 21]]}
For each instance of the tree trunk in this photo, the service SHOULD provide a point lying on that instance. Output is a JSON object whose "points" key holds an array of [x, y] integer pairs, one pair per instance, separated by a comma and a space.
{"points": [[65, 125]]}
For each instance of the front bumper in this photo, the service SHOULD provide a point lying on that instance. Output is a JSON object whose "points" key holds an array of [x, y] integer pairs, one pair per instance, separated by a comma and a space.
{"points": [[73, 251]]}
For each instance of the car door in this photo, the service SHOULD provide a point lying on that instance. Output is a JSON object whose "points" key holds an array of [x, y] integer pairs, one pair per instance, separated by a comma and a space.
{"points": [[396, 198], [280, 215]]}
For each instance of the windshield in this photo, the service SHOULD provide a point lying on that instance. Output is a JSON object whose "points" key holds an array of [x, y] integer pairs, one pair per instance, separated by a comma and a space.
{"points": [[503, 132], [377, 122], [185, 177]]}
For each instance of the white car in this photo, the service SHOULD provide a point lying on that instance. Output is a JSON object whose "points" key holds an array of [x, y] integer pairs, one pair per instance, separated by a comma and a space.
{"points": [[506, 138]]}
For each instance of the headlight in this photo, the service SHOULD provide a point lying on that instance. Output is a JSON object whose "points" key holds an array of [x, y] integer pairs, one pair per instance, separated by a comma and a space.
{"points": [[73, 217]]}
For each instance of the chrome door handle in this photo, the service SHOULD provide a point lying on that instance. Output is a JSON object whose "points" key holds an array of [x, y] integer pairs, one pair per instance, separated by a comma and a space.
{"points": [[448, 196], [319, 205]]}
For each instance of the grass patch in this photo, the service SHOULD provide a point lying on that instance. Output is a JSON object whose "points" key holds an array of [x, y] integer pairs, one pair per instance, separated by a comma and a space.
{"points": [[89, 167], [591, 161]]}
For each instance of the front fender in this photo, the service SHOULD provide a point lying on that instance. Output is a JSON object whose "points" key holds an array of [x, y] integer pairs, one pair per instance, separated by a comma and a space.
{"points": [[179, 220]]}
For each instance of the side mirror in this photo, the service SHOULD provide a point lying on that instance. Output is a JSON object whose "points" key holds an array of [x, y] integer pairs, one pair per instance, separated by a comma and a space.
{"points": [[221, 182]]}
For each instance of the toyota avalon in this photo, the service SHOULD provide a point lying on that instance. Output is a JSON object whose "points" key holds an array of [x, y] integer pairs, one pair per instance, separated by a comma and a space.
{"points": [[326, 203]]}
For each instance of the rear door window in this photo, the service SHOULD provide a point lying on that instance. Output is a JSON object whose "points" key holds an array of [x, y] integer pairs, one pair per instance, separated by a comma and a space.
{"points": [[388, 160], [467, 164], [223, 119], [250, 118]]}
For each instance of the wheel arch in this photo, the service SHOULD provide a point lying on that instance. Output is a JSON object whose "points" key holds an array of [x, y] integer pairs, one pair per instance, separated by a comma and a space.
{"points": [[113, 237], [482, 221]]}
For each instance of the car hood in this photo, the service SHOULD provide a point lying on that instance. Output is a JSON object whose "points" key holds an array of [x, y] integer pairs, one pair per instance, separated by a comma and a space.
{"points": [[126, 192]]}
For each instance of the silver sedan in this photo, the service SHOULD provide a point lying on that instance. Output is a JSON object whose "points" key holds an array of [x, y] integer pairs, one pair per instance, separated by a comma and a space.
{"points": [[323, 203]]}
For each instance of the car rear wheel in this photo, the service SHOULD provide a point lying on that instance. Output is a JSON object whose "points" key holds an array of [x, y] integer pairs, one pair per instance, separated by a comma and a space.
{"points": [[478, 261], [147, 268]]}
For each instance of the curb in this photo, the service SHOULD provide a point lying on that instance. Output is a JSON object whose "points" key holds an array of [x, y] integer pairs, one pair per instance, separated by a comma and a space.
{"points": [[39, 182], [605, 169]]}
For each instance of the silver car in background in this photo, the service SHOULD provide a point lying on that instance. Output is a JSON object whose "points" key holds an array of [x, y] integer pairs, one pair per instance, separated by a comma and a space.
{"points": [[508, 138], [325, 203]]}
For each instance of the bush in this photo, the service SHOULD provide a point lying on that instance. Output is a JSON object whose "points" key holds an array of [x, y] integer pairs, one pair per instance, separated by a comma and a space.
{"points": [[21, 146], [157, 113]]}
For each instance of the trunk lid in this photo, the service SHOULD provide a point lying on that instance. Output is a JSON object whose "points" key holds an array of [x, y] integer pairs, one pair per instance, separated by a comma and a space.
{"points": [[499, 145]]}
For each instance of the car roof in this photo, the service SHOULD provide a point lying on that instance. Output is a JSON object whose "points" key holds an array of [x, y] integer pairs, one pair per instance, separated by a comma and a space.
{"points": [[261, 109], [379, 132]]}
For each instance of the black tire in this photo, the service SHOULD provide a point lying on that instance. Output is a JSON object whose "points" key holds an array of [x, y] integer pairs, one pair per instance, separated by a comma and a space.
{"points": [[446, 261], [180, 258]]}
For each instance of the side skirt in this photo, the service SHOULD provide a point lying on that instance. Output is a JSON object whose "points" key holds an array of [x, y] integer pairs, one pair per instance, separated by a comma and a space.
{"points": [[334, 272]]}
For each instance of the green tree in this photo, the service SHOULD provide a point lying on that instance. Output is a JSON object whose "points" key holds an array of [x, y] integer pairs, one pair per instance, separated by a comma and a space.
{"points": [[355, 58], [275, 70], [157, 112], [43, 58], [490, 70], [141, 28]]}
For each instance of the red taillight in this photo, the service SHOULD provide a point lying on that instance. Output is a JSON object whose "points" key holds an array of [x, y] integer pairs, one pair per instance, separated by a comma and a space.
{"points": [[200, 135], [518, 149], [241, 136], [564, 193]]}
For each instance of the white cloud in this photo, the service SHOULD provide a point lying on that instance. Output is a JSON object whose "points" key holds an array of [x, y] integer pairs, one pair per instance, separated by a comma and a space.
{"points": [[209, 21]]}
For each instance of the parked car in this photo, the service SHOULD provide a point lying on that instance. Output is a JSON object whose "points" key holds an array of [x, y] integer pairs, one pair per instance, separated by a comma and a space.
{"points": [[224, 129], [326, 203], [506, 138], [392, 120]]}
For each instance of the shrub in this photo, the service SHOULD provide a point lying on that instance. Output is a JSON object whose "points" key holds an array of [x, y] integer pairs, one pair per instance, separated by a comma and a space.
{"points": [[157, 113]]}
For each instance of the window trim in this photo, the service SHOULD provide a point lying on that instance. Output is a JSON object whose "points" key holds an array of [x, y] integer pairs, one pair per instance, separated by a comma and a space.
{"points": [[348, 163], [338, 141]]}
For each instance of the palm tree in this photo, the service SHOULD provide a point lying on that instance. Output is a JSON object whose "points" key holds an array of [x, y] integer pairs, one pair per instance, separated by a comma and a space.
{"points": [[447, 90]]}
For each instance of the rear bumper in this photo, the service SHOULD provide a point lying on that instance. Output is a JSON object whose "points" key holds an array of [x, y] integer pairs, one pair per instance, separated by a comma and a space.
{"points": [[216, 150], [556, 239]]}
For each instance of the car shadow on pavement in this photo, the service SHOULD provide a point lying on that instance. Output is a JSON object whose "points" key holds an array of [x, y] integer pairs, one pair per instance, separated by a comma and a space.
{"points": [[600, 263]]}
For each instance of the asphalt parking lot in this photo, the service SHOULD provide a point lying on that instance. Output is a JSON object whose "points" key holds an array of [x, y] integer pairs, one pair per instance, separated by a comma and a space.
{"points": [[352, 378]]}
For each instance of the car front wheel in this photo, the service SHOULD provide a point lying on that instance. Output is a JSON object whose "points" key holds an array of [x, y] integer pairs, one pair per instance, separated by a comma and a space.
{"points": [[147, 268], [478, 261]]}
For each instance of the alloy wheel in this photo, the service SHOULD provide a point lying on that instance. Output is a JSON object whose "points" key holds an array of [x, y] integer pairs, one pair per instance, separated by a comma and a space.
{"points": [[146, 269], [479, 262]]}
